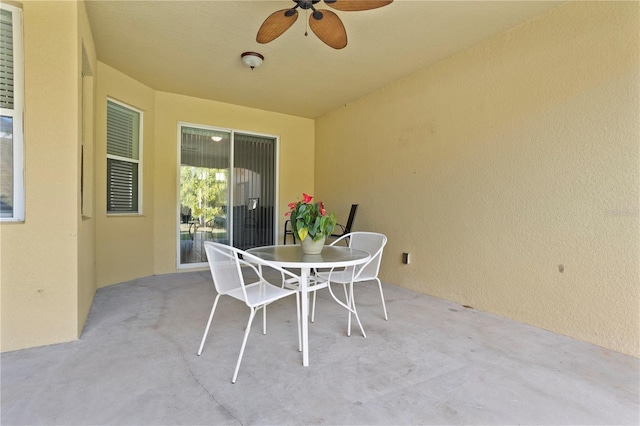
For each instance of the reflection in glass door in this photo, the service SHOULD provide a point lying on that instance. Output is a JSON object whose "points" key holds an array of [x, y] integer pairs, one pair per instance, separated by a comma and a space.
{"points": [[205, 164]]}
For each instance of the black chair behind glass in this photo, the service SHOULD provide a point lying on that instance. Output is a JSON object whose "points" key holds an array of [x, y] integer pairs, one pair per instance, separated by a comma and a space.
{"points": [[343, 229], [288, 231]]}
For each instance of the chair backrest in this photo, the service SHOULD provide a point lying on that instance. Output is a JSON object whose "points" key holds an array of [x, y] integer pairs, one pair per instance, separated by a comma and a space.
{"points": [[373, 243], [352, 216], [224, 264]]}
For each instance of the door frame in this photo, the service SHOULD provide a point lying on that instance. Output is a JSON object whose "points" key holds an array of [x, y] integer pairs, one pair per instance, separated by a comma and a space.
{"points": [[276, 138]]}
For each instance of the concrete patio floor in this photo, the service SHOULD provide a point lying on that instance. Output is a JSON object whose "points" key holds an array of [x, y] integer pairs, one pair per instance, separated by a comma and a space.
{"points": [[433, 362]]}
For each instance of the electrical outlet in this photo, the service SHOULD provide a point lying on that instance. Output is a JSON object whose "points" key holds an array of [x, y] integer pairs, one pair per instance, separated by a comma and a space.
{"points": [[405, 258]]}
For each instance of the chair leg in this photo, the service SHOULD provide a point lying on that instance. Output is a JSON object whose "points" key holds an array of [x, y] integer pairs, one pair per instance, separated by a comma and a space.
{"points": [[299, 325], [348, 299], [384, 307], [244, 343], [264, 319], [352, 302], [293, 237], [350, 305], [206, 330], [313, 307]]}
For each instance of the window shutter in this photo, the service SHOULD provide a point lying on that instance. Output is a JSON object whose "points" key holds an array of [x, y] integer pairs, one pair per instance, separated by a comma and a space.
{"points": [[6, 59], [123, 128], [122, 186]]}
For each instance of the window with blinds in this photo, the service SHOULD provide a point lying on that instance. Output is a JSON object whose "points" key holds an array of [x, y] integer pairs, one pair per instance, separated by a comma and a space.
{"points": [[124, 140], [11, 110]]}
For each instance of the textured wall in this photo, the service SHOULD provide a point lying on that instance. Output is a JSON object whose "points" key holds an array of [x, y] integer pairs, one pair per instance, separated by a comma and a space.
{"points": [[39, 271], [133, 246], [296, 142], [499, 164], [87, 62], [124, 243]]}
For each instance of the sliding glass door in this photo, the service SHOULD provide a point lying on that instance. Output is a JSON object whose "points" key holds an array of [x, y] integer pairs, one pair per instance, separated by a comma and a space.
{"points": [[254, 190], [227, 190]]}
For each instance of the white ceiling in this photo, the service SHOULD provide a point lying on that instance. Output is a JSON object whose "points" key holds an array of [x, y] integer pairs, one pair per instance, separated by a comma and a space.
{"points": [[193, 47]]}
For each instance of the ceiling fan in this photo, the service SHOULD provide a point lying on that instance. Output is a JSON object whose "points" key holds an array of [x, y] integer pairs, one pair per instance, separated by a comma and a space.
{"points": [[324, 23]]}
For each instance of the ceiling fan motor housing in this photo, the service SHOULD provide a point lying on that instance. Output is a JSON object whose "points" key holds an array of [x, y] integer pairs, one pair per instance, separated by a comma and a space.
{"points": [[307, 4]]}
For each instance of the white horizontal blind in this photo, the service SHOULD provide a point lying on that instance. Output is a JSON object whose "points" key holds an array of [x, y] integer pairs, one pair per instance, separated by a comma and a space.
{"points": [[122, 186], [6, 59], [123, 153], [12, 198], [123, 130]]}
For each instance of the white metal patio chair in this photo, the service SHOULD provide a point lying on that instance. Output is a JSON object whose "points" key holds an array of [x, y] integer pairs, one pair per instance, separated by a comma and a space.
{"points": [[371, 242], [226, 265]]}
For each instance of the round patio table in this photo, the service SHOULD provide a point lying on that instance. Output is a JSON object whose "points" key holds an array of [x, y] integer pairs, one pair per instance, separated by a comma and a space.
{"points": [[291, 256]]}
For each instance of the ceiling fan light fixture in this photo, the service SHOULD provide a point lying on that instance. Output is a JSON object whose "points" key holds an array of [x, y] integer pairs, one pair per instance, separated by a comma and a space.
{"points": [[252, 59]]}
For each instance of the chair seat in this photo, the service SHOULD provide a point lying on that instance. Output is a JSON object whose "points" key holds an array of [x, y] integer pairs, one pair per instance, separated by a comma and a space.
{"points": [[341, 277], [260, 293], [313, 283]]}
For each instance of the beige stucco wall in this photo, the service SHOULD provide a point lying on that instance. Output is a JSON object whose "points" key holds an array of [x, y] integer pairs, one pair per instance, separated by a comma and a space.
{"points": [[40, 264], [296, 140], [497, 165], [87, 64], [132, 246], [124, 243]]}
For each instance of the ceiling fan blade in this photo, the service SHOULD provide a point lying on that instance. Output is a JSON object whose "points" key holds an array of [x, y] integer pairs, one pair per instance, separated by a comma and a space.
{"points": [[329, 29], [355, 5], [276, 24]]}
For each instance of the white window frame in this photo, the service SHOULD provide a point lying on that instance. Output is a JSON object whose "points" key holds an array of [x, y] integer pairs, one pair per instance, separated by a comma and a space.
{"points": [[17, 116], [130, 160]]}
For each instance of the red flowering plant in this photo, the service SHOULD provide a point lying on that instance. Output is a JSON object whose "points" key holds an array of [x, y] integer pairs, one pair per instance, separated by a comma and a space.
{"points": [[310, 219]]}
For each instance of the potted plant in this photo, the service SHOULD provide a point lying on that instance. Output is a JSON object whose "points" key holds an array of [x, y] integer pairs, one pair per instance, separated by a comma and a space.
{"points": [[311, 223]]}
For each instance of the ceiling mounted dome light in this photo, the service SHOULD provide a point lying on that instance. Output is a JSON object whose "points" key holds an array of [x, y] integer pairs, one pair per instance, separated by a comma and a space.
{"points": [[252, 59]]}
